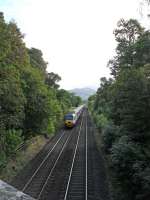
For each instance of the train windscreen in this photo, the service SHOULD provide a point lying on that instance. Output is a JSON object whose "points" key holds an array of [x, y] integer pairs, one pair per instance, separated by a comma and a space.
{"points": [[68, 117]]}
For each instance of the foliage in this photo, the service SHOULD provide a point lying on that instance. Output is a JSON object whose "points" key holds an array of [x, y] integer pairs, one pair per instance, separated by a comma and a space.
{"points": [[109, 135], [126, 34], [12, 99], [36, 59], [121, 109], [13, 138], [52, 79], [30, 101], [37, 106]]}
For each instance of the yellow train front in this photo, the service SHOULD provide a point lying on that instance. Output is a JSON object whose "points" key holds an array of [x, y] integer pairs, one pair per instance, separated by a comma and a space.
{"points": [[71, 118]]}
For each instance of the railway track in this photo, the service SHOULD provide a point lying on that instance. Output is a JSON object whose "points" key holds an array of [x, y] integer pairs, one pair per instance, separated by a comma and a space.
{"points": [[22, 178], [76, 185], [67, 170]]}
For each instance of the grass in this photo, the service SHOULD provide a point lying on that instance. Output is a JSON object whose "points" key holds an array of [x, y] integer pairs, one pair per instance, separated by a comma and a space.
{"points": [[17, 162]]}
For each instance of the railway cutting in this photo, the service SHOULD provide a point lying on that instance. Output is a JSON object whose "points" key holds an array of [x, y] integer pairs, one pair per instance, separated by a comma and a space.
{"points": [[69, 167]]}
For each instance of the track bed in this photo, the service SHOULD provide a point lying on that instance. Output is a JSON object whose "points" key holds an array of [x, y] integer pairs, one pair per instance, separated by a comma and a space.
{"points": [[68, 168]]}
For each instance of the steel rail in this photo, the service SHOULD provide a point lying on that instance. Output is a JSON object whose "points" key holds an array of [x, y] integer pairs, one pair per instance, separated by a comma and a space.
{"points": [[86, 185], [53, 167], [46, 157], [66, 193]]}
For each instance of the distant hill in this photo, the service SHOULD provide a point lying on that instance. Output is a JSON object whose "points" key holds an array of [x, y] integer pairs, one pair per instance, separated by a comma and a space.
{"points": [[84, 93]]}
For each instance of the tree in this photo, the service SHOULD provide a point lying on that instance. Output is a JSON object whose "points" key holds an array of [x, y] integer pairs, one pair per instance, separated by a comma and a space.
{"points": [[12, 99], [30, 101], [131, 104], [121, 110], [142, 50], [12, 104], [36, 59], [126, 35], [18, 55], [52, 79], [4, 40], [37, 106]]}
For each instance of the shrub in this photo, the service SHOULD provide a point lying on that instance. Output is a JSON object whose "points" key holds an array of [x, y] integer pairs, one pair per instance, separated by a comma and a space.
{"points": [[126, 157], [50, 128], [2, 159], [109, 134], [13, 139]]}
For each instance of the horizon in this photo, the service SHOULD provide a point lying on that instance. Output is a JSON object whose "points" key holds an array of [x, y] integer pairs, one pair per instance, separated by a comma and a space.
{"points": [[80, 88]]}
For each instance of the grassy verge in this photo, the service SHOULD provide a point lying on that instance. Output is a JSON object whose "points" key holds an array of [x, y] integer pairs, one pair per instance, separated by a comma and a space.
{"points": [[17, 162]]}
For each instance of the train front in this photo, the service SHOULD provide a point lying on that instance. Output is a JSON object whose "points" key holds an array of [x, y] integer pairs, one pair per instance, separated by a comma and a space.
{"points": [[69, 120]]}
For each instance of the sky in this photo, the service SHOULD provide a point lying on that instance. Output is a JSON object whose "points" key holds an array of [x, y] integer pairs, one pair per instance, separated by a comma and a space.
{"points": [[75, 36]]}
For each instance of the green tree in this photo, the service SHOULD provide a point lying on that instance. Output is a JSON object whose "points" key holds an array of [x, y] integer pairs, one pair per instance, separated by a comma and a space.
{"points": [[12, 99], [36, 109], [121, 110], [131, 103], [126, 35], [36, 59], [12, 105], [52, 79], [30, 101]]}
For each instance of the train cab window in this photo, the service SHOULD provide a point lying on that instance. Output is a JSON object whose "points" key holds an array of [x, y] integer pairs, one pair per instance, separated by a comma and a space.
{"points": [[68, 117]]}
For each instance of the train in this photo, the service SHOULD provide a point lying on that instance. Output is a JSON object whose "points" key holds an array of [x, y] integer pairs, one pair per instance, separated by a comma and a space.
{"points": [[71, 118]]}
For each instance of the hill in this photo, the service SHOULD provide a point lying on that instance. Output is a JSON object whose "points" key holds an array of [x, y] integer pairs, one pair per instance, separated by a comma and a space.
{"points": [[84, 93]]}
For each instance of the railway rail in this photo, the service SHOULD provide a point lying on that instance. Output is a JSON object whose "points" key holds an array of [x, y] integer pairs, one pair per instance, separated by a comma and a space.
{"points": [[65, 169]]}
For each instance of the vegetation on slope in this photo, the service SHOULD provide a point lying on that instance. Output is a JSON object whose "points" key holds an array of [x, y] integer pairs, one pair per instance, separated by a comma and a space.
{"points": [[121, 110], [31, 102]]}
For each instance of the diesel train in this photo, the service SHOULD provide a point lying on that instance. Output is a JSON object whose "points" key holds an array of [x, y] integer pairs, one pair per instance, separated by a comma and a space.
{"points": [[72, 117]]}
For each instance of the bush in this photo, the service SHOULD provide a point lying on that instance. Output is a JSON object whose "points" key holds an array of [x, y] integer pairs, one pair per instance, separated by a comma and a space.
{"points": [[2, 159], [141, 179], [109, 135], [100, 120], [123, 154], [13, 139], [50, 128], [126, 157]]}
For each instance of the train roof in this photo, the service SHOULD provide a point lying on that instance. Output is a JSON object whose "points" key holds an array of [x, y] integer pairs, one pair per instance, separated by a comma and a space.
{"points": [[78, 108], [75, 110], [70, 113]]}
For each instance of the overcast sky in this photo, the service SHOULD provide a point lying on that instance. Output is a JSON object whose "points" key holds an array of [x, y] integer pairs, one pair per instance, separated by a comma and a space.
{"points": [[75, 36]]}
